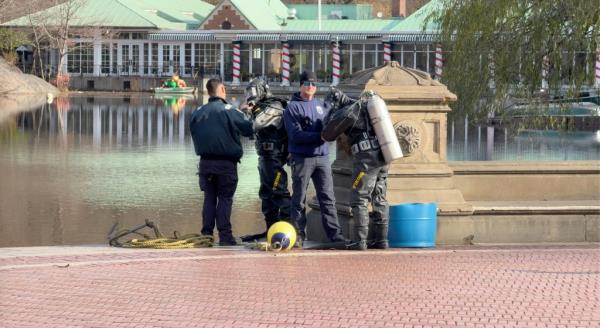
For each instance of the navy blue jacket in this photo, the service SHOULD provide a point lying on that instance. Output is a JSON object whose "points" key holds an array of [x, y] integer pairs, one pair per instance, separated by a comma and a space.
{"points": [[216, 128], [303, 121]]}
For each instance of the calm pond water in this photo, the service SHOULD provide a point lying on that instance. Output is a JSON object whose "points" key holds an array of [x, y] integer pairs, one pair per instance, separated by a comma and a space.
{"points": [[71, 170]]}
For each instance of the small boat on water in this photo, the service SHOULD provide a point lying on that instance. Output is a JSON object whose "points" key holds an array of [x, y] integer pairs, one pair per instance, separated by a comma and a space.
{"points": [[175, 91]]}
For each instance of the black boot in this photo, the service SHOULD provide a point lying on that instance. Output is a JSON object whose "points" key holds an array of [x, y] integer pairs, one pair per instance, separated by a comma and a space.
{"points": [[248, 238], [357, 245], [380, 237], [359, 238]]}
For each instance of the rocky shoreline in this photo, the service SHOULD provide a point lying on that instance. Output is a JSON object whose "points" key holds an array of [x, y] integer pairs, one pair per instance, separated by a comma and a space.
{"points": [[20, 92]]}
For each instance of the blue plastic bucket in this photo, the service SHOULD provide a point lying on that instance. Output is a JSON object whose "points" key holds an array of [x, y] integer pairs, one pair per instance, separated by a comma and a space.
{"points": [[413, 225]]}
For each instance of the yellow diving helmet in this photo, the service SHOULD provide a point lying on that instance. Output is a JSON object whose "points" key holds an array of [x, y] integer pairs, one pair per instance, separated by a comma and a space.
{"points": [[281, 236]]}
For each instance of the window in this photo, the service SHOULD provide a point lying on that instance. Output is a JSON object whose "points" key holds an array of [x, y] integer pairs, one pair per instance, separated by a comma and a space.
{"points": [[188, 59], [273, 65], [146, 59], [408, 55], [421, 57], [73, 59], [87, 59], [357, 58], [165, 59], [295, 59], [125, 58], [431, 60], [244, 61], [176, 60], [207, 58], [135, 58], [226, 25], [105, 61], [257, 60], [345, 64], [80, 59], [115, 69], [322, 62], [371, 56], [154, 67]]}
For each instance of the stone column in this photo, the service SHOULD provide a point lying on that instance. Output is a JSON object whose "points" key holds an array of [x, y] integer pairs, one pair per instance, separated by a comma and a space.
{"points": [[439, 62], [336, 60], [236, 63], [97, 43], [285, 64], [387, 52]]}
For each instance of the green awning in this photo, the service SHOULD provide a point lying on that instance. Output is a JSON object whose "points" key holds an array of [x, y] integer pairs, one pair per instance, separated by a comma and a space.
{"points": [[309, 37], [355, 36], [181, 36], [258, 37], [412, 37]]}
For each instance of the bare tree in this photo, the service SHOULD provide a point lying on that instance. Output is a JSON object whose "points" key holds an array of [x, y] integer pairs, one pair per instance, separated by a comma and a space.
{"points": [[58, 26], [39, 40], [58, 29], [4, 5]]}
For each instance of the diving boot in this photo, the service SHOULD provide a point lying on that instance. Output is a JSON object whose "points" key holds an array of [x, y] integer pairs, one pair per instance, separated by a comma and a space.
{"points": [[380, 237], [357, 245], [381, 244], [359, 238], [258, 236]]}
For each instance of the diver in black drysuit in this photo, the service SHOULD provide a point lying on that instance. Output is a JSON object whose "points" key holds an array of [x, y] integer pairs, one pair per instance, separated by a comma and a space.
{"points": [[272, 149], [369, 169]]}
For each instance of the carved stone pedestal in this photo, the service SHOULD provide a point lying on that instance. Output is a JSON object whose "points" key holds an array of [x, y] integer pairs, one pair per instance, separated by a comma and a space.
{"points": [[418, 106]]}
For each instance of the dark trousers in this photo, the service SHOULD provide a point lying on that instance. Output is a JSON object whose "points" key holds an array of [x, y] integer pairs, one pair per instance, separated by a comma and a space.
{"points": [[218, 180], [319, 170], [273, 190]]}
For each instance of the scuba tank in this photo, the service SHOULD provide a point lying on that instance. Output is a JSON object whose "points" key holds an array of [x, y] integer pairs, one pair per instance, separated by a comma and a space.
{"points": [[384, 129]]}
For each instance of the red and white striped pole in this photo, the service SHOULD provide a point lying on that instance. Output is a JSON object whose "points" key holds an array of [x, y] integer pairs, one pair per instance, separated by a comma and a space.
{"points": [[336, 64], [439, 62], [597, 70], [387, 52], [285, 63], [236, 63]]}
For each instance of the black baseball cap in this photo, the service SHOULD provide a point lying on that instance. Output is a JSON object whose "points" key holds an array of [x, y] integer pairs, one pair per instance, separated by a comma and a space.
{"points": [[309, 76]]}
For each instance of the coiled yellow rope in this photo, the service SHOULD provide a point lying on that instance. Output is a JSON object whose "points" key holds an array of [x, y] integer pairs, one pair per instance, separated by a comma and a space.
{"points": [[159, 241], [187, 241]]}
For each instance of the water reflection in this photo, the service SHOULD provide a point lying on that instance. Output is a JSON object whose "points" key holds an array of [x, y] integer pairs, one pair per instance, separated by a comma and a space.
{"points": [[70, 170], [517, 140]]}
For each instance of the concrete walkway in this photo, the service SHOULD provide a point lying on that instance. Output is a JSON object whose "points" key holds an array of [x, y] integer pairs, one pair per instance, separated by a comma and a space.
{"points": [[489, 286]]}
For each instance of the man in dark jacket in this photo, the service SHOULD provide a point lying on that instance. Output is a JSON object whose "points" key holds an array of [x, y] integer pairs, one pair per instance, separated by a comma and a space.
{"points": [[216, 128], [303, 120]]}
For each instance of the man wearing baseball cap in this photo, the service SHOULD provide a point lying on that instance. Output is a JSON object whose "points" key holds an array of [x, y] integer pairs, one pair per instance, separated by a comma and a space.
{"points": [[303, 119]]}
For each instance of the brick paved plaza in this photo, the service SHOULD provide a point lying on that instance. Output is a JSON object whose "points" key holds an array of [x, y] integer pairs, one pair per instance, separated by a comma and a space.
{"points": [[464, 287]]}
